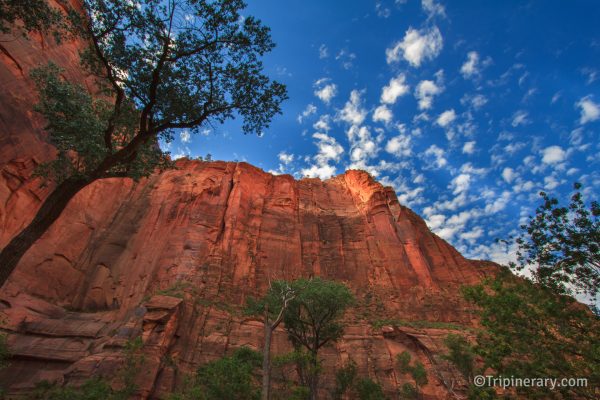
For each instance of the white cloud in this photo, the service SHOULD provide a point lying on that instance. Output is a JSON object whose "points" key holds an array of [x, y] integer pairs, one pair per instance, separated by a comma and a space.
{"points": [[353, 113], [325, 171], [553, 155], [381, 10], [285, 158], [329, 150], [476, 101], [469, 147], [185, 136], [324, 90], [519, 118], [472, 235], [437, 154], [435, 221], [425, 92], [432, 8], [185, 152], [417, 46], [308, 111], [322, 124], [469, 168], [323, 51], [396, 88], [591, 73], [555, 98], [551, 183], [446, 118], [471, 67], [346, 58], [383, 114], [363, 145], [498, 252], [499, 203], [399, 146], [460, 183], [508, 174], [590, 111]]}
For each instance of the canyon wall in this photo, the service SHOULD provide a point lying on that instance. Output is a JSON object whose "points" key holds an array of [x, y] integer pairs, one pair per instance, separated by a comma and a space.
{"points": [[172, 258]]}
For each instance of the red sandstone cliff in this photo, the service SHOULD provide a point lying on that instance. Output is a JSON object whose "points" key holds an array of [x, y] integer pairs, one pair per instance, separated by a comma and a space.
{"points": [[172, 257]]}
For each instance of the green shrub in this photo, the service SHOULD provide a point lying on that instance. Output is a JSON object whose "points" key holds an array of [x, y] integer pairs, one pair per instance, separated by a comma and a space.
{"points": [[368, 389], [229, 378]]}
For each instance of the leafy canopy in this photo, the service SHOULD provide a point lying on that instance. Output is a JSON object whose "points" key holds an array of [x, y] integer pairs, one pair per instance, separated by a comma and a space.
{"points": [[184, 63], [76, 122], [30, 15], [274, 302], [530, 331], [160, 66], [313, 317], [562, 245]]}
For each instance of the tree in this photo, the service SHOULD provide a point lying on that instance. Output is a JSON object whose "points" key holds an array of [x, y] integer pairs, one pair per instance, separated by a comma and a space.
{"points": [[161, 66], [313, 319], [561, 245], [271, 307], [530, 331]]}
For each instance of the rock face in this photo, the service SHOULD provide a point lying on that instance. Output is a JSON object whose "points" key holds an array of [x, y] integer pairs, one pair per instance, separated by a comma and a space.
{"points": [[172, 258]]}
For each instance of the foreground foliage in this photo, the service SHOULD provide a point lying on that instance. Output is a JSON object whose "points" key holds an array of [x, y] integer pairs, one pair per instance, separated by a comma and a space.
{"points": [[313, 319], [271, 307], [531, 332], [347, 382], [229, 378], [561, 245]]}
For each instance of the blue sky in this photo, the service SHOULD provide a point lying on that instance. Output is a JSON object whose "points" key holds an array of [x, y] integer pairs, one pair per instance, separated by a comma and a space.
{"points": [[467, 109]]}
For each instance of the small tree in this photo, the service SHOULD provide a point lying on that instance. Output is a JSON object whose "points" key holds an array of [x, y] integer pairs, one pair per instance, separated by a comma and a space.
{"points": [[271, 307], [561, 245], [161, 66], [313, 319], [417, 372]]}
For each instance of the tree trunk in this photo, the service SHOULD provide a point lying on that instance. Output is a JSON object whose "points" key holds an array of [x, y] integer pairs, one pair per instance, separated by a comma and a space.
{"points": [[266, 364], [314, 378], [46, 215]]}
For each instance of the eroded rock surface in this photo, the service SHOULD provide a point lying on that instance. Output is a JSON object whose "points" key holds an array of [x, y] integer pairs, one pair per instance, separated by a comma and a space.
{"points": [[172, 257]]}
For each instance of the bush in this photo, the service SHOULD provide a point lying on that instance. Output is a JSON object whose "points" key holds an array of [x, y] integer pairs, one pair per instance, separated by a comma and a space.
{"points": [[229, 378], [367, 389], [344, 379]]}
